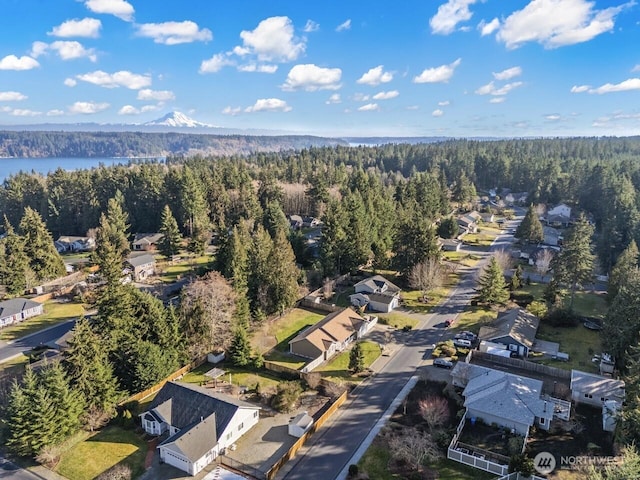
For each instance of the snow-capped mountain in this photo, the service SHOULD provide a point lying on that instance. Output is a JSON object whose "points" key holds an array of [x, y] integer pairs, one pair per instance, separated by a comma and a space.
{"points": [[177, 119]]}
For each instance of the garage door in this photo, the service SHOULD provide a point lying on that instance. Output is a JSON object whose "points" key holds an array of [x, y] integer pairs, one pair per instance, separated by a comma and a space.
{"points": [[175, 460]]}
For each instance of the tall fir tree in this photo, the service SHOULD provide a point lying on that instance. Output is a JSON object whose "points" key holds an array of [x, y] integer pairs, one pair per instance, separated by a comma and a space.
{"points": [[68, 403], [356, 358], [283, 274], [625, 265], [492, 288], [112, 241], [414, 242], [172, 240], [240, 348], [13, 261], [530, 229], [39, 248]]}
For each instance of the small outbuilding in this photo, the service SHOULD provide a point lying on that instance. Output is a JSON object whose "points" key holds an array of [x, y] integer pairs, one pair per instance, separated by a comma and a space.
{"points": [[300, 424]]}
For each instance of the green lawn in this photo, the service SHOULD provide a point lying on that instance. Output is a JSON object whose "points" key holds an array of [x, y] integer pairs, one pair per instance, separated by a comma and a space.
{"points": [[397, 320], [239, 376], [579, 342], [287, 327], [474, 318], [338, 366], [376, 460], [90, 457], [54, 313], [13, 366], [342, 299], [462, 258], [284, 359], [481, 239], [586, 303], [172, 272]]}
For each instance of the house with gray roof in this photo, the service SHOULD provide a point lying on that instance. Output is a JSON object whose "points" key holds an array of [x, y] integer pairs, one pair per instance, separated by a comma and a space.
{"points": [[511, 401], [143, 266], [595, 390], [376, 293], [200, 424], [146, 241], [515, 328], [15, 310]]}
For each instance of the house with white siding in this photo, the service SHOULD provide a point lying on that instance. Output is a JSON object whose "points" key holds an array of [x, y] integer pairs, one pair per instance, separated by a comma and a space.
{"points": [[16, 310]]}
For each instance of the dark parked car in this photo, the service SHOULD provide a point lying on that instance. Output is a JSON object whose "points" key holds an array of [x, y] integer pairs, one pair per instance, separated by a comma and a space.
{"points": [[442, 363]]}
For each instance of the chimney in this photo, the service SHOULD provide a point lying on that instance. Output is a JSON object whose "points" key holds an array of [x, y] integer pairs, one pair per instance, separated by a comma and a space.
{"points": [[545, 406]]}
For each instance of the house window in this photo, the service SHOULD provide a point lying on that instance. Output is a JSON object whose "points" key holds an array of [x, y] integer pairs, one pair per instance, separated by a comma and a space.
{"points": [[228, 435], [255, 414], [541, 421], [241, 426], [587, 395]]}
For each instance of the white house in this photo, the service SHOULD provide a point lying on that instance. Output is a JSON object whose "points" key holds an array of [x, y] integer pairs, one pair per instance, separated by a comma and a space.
{"points": [[595, 390], [562, 210], [376, 293], [16, 310], [200, 424]]}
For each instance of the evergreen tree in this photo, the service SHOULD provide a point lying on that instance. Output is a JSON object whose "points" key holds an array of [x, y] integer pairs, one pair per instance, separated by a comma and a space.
{"points": [[620, 273], [195, 214], [233, 255], [172, 240], [530, 229], [356, 358], [334, 237], [516, 278], [260, 268], [19, 417], [573, 265], [112, 244], [283, 274], [448, 228], [13, 261], [274, 219], [68, 404], [414, 242], [44, 260], [90, 371], [240, 349], [491, 286]]}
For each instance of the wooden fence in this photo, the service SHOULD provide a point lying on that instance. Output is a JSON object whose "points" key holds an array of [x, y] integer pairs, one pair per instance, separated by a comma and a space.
{"points": [[522, 364]]}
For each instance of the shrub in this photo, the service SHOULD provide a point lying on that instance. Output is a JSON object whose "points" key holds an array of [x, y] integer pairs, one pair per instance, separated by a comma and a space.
{"points": [[522, 299], [515, 445], [539, 309], [286, 396], [562, 318], [117, 472], [353, 470], [521, 463]]}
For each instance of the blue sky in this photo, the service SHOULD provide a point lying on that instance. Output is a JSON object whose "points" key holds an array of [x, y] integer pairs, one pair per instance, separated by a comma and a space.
{"points": [[354, 67]]}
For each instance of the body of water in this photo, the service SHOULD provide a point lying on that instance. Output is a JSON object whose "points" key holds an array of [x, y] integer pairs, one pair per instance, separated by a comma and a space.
{"points": [[11, 166]]}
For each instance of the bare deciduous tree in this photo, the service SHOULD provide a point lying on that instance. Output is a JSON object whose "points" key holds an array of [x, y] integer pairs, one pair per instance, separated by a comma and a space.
{"points": [[543, 262], [504, 259], [207, 309], [434, 411], [327, 288], [427, 276], [413, 447]]}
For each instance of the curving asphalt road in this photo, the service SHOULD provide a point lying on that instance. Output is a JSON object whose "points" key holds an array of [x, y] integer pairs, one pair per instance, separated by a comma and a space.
{"points": [[334, 445], [8, 350]]}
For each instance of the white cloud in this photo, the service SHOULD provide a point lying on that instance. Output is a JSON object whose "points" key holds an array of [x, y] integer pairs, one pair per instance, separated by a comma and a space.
{"points": [[488, 28], [5, 109], [216, 63], [360, 97], [311, 26], [346, 25], [269, 105], [233, 111], [580, 88], [38, 48], [66, 50], [24, 112], [122, 78], [159, 95], [437, 113], [413, 107], [151, 108], [88, 107], [87, 27], [334, 98], [444, 103], [491, 89], [508, 74], [375, 76], [630, 84], [555, 23], [174, 33], [55, 113], [11, 62], [636, 68], [553, 117], [12, 96], [497, 100], [386, 95], [70, 82], [252, 67], [272, 41], [369, 107], [440, 74], [449, 15], [311, 78], [120, 8], [128, 110]]}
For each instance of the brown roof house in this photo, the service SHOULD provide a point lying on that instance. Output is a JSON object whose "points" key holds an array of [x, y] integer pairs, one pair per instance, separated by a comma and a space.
{"points": [[146, 241], [515, 328], [200, 424], [330, 335]]}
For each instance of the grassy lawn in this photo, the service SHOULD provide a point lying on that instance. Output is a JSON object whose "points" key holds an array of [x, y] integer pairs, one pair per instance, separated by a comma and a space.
{"points": [[171, 272], [239, 376], [54, 313], [13, 366], [284, 359], [338, 366], [585, 303], [473, 319], [342, 299], [481, 239], [376, 460], [89, 458], [397, 320], [579, 342], [287, 327], [462, 258]]}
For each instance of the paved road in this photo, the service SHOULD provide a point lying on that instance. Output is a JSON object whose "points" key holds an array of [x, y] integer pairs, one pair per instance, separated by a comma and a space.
{"points": [[11, 471], [335, 444], [9, 350]]}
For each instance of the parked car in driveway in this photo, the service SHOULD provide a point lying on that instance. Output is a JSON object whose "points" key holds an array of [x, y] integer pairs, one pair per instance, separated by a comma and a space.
{"points": [[466, 335], [462, 343], [442, 363]]}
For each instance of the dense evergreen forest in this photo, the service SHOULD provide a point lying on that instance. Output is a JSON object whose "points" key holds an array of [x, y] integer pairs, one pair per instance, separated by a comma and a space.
{"points": [[141, 144]]}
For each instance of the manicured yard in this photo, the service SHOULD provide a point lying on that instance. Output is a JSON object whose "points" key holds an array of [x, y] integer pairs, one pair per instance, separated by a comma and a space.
{"points": [[239, 376], [285, 359], [338, 366], [13, 366], [480, 239], [397, 320], [172, 272], [579, 342], [586, 303], [90, 457], [54, 313], [287, 327], [474, 318]]}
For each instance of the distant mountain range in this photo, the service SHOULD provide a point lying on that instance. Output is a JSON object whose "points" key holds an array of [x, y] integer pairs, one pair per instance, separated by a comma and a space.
{"points": [[178, 120]]}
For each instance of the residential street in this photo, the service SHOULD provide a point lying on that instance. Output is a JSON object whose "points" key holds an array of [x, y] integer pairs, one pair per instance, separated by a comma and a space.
{"points": [[333, 447], [12, 349]]}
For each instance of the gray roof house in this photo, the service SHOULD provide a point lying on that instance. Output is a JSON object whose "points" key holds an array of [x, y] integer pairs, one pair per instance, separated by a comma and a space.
{"points": [[146, 241], [16, 310], [515, 328], [511, 401], [376, 293], [376, 284], [143, 266], [595, 390], [200, 424]]}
